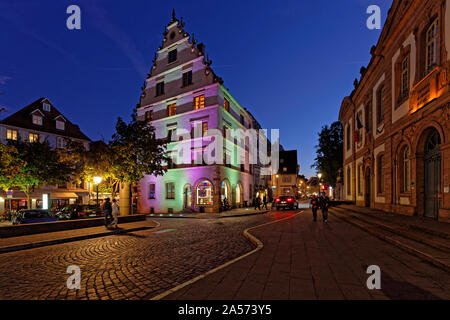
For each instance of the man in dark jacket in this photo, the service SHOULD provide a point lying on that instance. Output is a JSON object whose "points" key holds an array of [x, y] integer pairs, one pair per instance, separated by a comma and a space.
{"points": [[315, 206], [107, 210], [324, 205]]}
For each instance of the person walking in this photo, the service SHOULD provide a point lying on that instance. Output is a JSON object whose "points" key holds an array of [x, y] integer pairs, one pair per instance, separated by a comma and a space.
{"points": [[265, 203], [324, 205], [107, 210], [258, 203], [115, 213], [315, 206]]}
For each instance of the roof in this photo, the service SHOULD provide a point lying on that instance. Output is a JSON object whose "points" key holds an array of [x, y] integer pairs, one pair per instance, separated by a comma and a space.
{"points": [[23, 119], [288, 159]]}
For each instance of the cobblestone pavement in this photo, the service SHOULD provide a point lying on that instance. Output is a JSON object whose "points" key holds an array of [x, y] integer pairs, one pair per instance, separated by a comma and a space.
{"points": [[302, 259], [138, 265]]}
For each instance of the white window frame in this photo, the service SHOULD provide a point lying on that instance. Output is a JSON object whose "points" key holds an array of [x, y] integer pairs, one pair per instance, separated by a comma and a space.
{"points": [[62, 123], [37, 120]]}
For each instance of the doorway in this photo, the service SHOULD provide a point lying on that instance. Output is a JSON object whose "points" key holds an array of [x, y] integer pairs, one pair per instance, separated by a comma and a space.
{"points": [[432, 170], [187, 197], [368, 189]]}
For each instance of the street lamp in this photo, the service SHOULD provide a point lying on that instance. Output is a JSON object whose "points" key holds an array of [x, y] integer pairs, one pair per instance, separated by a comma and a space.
{"points": [[97, 181], [320, 185]]}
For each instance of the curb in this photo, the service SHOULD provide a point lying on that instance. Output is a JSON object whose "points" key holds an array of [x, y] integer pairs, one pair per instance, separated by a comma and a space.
{"points": [[71, 239], [398, 244], [156, 216], [249, 236]]}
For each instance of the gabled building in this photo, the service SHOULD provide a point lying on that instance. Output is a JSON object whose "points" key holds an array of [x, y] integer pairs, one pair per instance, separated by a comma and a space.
{"points": [[397, 120], [41, 121], [284, 183], [183, 92]]}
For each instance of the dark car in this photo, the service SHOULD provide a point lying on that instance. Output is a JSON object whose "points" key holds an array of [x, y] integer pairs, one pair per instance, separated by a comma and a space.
{"points": [[286, 202], [79, 211], [33, 216]]}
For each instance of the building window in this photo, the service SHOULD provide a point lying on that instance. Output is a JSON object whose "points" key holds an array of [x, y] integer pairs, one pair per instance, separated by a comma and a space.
{"points": [[348, 136], [171, 133], [380, 174], [187, 78], [37, 120], [349, 181], [360, 178], [199, 102], [152, 191], [60, 125], [226, 104], [33, 137], [172, 56], [46, 107], [149, 115], [380, 104], [242, 121], [159, 89], [204, 128], [432, 47], [170, 191], [11, 134], [404, 85], [172, 109], [60, 143], [406, 183], [205, 194]]}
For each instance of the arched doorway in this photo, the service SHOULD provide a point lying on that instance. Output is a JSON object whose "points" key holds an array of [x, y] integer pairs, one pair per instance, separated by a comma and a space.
{"points": [[225, 191], [204, 193], [368, 188], [239, 195], [432, 171], [187, 197]]}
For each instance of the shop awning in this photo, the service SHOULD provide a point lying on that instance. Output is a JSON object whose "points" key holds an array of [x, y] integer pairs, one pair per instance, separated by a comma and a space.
{"points": [[63, 195]]}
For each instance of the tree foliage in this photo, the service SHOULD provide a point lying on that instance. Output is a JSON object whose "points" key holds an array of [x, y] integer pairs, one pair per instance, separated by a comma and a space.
{"points": [[10, 165], [329, 152]]}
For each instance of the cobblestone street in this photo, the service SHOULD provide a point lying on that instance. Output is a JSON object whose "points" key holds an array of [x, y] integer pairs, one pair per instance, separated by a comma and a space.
{"points": [[139, 265]]}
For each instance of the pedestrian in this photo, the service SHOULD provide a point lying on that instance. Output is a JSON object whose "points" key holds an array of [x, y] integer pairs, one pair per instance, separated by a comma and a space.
{"points": [[258, 203], [265, 203], [107, 210], [324, 205], [115, 213], [315, 206]]}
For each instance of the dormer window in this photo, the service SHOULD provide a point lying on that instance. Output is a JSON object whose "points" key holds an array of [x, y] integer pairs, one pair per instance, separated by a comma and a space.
{"points": [[46, 107], [173, 56], [60, 125], [37, 120]]}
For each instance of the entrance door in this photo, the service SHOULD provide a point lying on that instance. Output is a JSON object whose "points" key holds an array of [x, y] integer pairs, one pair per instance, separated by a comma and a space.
{"points": [[187, 197], [432, 163], [368, 188]]}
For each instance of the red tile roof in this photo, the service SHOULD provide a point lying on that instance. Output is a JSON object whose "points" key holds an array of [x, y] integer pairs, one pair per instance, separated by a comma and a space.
{"points": [[23, 119]]}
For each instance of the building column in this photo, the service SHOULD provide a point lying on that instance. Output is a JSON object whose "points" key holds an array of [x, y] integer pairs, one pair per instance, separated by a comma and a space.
{"points": [[125, 199]]}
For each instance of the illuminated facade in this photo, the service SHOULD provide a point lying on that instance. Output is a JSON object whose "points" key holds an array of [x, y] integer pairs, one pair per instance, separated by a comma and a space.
{"points": [[183, 92], [397, 120]]}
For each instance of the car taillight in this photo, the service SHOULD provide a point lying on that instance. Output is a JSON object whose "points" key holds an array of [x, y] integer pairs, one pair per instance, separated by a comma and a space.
{"points": [[278, 200], [82, 213], [290, 200]]}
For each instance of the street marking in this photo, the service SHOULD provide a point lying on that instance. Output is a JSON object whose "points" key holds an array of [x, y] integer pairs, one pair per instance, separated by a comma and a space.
{"points": [[249, 236], [165, 231]]}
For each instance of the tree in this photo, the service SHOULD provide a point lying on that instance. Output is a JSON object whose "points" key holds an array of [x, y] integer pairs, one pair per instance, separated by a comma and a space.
{"points": [[10, 165], [135, 152], [329, 152], [40, 165]]}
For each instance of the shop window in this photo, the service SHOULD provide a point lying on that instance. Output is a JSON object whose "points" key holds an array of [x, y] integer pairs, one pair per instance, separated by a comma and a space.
{"points": [[170, 191], [205, 193]]}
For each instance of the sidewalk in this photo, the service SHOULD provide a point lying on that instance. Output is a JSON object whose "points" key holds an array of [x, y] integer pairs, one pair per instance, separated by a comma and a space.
{"points": [[306, 260], [241, 212], [51, 238]]}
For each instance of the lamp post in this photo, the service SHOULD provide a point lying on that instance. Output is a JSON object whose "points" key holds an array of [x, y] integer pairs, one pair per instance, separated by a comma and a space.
{"points": [[97, 181], [320, 185]]}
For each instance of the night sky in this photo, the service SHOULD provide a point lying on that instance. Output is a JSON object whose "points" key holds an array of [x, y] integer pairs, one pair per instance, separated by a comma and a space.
{"points": [[290, 63]]}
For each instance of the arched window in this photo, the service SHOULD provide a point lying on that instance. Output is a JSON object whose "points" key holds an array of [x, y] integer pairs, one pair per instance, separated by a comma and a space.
{"points": [[380, 174], [205, 193], [406, 182]]}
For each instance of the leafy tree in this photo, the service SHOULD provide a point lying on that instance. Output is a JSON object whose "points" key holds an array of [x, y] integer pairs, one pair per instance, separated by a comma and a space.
{"points": [[329, 152], [135, 151], [40, 165], [10, 165]]}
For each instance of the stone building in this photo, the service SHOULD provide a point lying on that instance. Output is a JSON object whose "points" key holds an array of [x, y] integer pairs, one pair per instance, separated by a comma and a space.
{"points": [[182, 92], [284, 182], [397, 120]]}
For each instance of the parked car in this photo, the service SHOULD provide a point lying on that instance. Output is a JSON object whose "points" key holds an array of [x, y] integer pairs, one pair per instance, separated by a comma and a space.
{"points": [[79, 211], [33, 216], [286, 202]]}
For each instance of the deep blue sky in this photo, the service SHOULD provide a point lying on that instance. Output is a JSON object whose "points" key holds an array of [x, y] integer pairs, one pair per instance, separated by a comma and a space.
{"points": [[290, 62]]}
